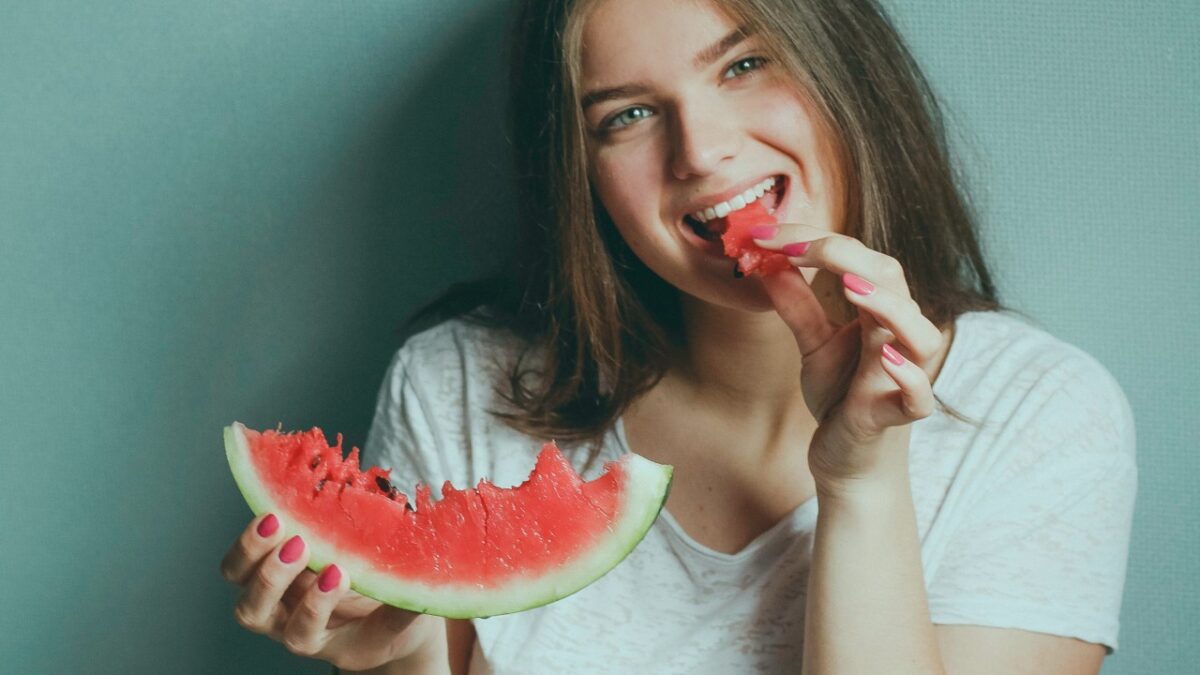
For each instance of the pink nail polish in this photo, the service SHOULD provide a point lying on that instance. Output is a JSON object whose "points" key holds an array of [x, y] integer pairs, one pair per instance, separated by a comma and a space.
{"points": [[268, 525], [329, 578], [797, 249], [291, 550], [857, 284], [892, 355], [764, 231]]}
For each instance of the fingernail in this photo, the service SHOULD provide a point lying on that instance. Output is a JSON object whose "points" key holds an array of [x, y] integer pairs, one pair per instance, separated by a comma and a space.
{"points": [[857, 284], [329, 578], [892, 355], [292, 549], [797, 249], [764, 231], [268, 526]]}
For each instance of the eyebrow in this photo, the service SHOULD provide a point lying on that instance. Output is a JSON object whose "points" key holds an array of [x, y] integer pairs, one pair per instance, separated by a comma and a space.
{"points": [[706, 57]]}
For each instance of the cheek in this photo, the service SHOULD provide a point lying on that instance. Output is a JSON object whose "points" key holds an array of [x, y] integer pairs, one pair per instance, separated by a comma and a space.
{"points": [[622, 182], [796, 125]]}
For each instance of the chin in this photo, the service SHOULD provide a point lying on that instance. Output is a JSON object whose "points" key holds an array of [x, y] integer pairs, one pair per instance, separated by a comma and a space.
{"points": [[741, 295]]}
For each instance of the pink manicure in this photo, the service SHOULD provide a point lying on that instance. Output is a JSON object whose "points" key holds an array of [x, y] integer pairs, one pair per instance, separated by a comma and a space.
{"points": [[329, 578], [796, 250], [268, 525], [291, 550], [764, 231], [857, 284], [892, 355]]}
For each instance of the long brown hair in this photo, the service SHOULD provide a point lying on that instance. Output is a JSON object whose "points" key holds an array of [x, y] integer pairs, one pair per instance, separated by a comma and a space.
{"points": [[597, 323]]}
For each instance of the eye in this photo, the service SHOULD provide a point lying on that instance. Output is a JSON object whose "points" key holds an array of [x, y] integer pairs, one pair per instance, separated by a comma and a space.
{"points": [[625, 118], [743, 66]]}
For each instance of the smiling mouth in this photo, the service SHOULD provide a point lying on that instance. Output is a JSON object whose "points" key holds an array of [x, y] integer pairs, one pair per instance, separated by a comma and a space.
{"points": [[711, 223]]}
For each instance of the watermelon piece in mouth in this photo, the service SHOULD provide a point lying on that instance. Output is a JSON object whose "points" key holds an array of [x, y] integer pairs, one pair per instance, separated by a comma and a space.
{"points": [[739, 244], [475, 552]]}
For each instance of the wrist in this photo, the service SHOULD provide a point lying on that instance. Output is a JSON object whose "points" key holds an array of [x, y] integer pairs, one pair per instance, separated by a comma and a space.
{"points": [[883, 490], [847, 467]]}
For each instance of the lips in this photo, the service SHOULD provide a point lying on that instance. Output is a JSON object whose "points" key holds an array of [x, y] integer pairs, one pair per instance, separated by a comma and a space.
{"points": [[710, 223]]}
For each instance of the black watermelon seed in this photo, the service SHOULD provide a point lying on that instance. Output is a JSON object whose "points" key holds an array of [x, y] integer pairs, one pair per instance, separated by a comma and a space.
{"points": [[383, 483], [737, 271], [315, 462], [320, 484]]}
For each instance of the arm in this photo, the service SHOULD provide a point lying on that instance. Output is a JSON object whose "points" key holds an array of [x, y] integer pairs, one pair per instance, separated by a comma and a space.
{"points": [[865, 382], [867, 611]]}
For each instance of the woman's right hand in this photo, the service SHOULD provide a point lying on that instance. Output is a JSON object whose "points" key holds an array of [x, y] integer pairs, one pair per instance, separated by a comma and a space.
{"points": [[318, 617]]}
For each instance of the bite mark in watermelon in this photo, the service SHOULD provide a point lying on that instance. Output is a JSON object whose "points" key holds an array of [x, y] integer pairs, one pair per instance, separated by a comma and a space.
{"points": [[739, 245], [476, 552]]}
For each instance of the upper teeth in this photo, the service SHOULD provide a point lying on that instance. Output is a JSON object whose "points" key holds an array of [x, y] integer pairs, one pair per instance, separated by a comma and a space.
{"points": [[739, 202]]}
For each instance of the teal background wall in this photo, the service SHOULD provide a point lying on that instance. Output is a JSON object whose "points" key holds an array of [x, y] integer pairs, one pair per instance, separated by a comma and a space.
{"points": [[222, 210]]}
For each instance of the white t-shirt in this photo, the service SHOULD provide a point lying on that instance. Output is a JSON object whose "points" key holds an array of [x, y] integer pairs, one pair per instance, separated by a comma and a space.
{"points": [[1024, 520]]}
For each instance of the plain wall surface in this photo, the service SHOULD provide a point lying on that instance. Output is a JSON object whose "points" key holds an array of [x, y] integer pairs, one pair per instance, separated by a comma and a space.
{"points": [[220, 210]]}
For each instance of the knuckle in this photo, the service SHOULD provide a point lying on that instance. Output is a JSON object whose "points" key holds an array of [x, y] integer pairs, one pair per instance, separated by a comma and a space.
{"points": [[299, 645], [309, 613], [920, 405], [925, 351], [892, 269], [233, 562], [265, 580], [246, 619], [840, 245]]}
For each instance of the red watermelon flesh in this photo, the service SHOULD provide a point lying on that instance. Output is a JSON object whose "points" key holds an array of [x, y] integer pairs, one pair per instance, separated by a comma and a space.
{"points": [[476, 552], [739, 244]]}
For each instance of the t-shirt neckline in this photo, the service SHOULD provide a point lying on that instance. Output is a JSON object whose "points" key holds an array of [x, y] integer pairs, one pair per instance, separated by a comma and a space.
{"points": [[801, 518]]}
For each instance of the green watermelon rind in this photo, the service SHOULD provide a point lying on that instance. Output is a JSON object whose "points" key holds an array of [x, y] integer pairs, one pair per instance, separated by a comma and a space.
{"points": [[648, 484]]}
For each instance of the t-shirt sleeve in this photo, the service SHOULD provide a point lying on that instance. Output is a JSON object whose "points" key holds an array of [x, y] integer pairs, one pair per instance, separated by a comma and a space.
{"points": [[1043, 544], [403, 434]]}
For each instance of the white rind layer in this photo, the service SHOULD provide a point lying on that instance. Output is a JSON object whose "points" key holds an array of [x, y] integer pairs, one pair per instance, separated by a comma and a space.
{"points": [[646, 487]]}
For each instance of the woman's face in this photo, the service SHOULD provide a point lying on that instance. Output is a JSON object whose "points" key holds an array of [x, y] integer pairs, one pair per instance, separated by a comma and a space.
{"points": [[683, 113]]}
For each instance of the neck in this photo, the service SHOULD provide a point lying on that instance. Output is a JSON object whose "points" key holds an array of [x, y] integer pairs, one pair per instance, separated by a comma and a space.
{"points": [[747, 363]]}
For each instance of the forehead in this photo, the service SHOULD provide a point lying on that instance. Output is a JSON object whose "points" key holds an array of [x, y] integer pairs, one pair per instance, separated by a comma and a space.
{"points": [[644, 39]]}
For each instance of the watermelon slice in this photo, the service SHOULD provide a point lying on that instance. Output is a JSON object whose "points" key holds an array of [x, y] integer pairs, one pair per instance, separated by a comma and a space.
{"points": [[475, 552], [739, 245]]}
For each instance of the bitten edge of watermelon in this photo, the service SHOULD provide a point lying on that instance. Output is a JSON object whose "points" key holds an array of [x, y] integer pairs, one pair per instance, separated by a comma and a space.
{"points": [[649, 483]]}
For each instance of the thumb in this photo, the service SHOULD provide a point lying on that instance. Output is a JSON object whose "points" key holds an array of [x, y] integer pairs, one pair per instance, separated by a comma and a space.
{"points": [[799, 308]]}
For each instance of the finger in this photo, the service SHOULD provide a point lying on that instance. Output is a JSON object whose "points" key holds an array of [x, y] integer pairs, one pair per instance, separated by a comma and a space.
{"points": [[386, 622], [255, 542], [259, 608], [306, 632], [874, 337], [899, 314], [808, 246], [799, 308], [916, 393], [295, 592]]}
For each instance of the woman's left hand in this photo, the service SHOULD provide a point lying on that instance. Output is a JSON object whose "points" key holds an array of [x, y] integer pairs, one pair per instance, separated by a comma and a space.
{"points": [[866, 380]]}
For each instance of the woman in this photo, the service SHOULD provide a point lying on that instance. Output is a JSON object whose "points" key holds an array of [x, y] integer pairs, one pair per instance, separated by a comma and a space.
{"points": [[876, 470]]}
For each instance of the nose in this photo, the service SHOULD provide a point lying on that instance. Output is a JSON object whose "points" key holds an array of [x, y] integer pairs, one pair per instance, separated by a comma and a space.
{"points": [[702, 137]]}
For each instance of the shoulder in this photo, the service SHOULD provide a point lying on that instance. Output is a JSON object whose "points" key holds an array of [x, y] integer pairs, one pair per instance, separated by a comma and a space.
{"points": [[1029, 500], [437, 414], [456, 342], [455, 359], [998, 352], [1027, 385]]}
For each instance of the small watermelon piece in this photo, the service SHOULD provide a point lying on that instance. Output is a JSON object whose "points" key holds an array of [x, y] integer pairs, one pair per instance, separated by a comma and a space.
{"points": [[739, 245], [475, 552]]}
